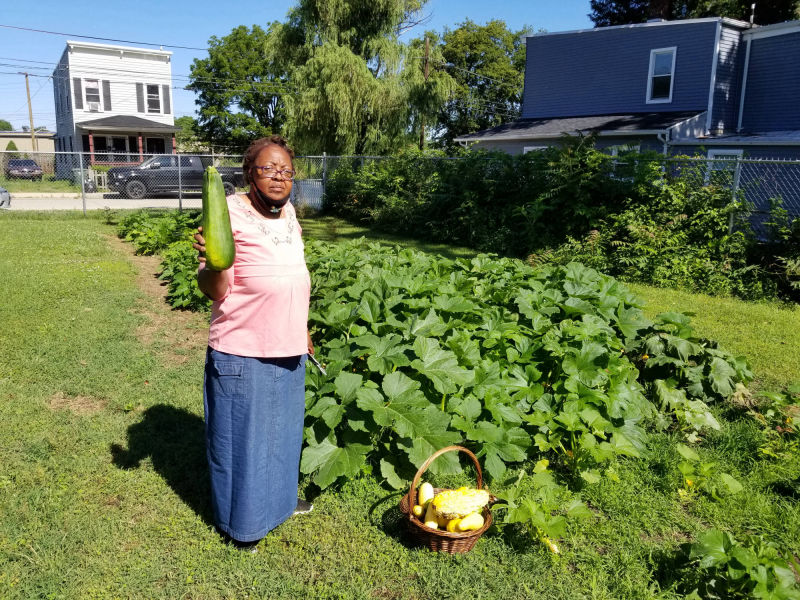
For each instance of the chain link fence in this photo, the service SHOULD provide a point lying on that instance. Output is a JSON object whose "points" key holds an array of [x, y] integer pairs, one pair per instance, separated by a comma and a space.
{"points": [[175, 180], [164, 180]]}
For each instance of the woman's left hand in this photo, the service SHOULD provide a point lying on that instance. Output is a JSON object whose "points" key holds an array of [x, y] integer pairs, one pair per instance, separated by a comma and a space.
{"points": [[310, 343]]}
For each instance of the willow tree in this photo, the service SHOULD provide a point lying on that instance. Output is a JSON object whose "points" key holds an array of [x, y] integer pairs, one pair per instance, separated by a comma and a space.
{"points": [[428, 84], [353, 86], [334, 77]]}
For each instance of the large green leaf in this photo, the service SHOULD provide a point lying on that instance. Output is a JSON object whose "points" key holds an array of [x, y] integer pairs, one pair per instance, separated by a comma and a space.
{"points": [[721, 377], [712, 548], [440, 366], [385, 353], [346, 385], [585, 363], [328, 461]]}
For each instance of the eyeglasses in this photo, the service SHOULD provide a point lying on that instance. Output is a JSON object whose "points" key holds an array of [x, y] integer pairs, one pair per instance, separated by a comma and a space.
{"points": [[272, 172]]}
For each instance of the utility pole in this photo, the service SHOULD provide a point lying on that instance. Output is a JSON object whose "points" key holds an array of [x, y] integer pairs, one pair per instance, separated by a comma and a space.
{"points": [[34, 145], [426, 69]]}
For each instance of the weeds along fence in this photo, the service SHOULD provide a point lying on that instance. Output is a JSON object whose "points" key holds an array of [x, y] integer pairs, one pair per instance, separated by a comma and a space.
{"points": [[176, 179]]}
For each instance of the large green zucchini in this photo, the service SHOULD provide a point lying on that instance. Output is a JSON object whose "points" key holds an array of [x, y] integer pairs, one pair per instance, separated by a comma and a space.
{"points": [[220, 250]]}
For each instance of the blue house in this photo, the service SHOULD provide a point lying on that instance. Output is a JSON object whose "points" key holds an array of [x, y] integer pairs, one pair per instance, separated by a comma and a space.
{"points": [[716, 87]]}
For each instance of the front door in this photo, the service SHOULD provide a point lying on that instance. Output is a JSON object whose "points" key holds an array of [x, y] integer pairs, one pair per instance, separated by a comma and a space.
{"points": [[155, 146]]}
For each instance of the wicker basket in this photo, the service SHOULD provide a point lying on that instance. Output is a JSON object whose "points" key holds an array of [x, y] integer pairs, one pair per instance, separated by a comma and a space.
{"points": [[437, 539]]}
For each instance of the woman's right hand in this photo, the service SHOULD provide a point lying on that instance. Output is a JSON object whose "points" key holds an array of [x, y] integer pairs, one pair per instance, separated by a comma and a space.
{"points": [[200, 246]]}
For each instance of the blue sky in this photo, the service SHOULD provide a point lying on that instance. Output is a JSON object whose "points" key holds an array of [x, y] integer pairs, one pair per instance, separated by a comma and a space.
{"points": [[186, 23]]}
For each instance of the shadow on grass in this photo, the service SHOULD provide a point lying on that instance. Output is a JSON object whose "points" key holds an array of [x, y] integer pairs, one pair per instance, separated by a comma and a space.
{"points": [[386, 514], [174, 439]]}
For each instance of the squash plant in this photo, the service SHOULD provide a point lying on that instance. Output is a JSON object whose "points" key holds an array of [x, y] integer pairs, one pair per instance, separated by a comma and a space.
{"points": [[512, 361]]}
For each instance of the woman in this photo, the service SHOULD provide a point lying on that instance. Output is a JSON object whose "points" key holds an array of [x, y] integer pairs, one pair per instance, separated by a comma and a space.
{"points": [[255, 365]]}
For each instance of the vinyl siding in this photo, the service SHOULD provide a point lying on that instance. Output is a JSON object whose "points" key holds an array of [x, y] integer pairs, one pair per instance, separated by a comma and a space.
{"points": [[773, 84], [123, 70], [647, 143], [605, 71], [726, 91]]}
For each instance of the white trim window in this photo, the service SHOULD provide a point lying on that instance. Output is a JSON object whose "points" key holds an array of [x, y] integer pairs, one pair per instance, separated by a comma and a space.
{"points": [[722, 167], [620, 149], [623, 168], [526, 149], [661, 75], [91, 93], [153, 97]]}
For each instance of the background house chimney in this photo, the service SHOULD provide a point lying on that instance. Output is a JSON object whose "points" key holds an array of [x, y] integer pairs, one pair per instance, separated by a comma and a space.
{"points": [[659, 9]]}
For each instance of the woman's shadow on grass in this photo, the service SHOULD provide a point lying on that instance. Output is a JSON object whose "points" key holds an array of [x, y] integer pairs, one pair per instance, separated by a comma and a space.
{"points": [[174, 439]]}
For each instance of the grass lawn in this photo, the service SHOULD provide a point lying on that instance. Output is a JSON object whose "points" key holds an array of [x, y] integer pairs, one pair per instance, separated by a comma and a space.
{"points": [[103, 485], [767, 333], [47, 185]]}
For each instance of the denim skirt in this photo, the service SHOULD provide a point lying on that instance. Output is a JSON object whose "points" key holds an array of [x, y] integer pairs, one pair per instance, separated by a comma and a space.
{"points": [[254, 411]]}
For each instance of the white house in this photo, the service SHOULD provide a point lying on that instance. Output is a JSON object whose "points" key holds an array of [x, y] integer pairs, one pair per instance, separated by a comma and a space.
{"points": [[113, 102]]}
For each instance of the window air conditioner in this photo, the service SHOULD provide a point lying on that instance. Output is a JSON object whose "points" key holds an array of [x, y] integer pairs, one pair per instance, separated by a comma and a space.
{"points": [[93, 106]]}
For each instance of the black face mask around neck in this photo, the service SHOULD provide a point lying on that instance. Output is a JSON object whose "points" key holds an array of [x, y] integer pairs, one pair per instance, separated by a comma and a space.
{"points": [[274, 206]]}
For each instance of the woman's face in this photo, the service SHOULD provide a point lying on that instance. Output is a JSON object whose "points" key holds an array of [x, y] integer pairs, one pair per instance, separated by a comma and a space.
{"points": [[277, 186]]}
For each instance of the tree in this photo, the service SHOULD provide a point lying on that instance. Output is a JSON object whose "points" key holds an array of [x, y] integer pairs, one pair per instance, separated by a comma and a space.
{"points": [[488, 64], [5, 125], [240, 88], [11, 150], [622, 12], [189, 137], [348, 72], [334, 77]]}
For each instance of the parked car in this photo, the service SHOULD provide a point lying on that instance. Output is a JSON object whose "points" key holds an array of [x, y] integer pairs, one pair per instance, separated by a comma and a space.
{"points": [[164, 174], [23, 168], [5, 198]]}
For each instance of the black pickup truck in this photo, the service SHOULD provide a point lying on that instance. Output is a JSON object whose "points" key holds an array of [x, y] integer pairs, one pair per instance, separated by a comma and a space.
{"points": [[165, 175]]}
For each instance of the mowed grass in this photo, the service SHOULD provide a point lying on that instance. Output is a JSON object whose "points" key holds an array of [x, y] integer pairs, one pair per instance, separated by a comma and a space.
{"points": [[103, 485]]}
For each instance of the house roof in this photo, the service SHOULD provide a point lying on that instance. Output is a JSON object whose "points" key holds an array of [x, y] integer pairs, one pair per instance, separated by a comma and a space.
{"points": [[128, 124], [549, 128], [652, 23], [96, 46], [41, 133], [767, 138]]}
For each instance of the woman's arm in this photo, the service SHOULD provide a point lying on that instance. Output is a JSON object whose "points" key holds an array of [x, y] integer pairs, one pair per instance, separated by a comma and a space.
{"points": [[213, 284]]}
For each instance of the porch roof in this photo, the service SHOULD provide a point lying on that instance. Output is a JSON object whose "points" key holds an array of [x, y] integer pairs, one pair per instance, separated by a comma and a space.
{"points": [[125, 123]]}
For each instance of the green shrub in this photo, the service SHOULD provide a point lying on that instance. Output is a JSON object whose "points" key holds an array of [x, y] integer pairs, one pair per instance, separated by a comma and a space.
{"points": [[152, 232]]}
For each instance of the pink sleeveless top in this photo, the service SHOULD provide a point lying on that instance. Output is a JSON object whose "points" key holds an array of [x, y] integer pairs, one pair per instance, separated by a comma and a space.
{"points": [[264, 313]]}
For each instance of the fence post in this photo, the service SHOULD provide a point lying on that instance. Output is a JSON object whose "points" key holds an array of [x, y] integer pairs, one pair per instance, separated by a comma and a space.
{"points": [[324, 174], [180, 183], [734, 191], [83, 182]]}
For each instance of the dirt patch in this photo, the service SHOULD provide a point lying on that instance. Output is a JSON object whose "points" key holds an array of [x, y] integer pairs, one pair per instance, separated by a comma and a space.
{"points": [[175, 335], [79, 405]]}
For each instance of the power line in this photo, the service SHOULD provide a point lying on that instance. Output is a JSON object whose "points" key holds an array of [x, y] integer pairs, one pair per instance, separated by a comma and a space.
{"points": [[91, 37]]}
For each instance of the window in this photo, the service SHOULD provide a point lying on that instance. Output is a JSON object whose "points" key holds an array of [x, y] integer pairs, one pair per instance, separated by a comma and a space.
{"points": [[620, 167], [92, 94], [722, 167], [660, 77], [621, 149], [153, 99], [164, 161]]}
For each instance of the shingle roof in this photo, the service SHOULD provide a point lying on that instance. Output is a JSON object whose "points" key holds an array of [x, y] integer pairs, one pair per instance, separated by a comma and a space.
{"points": [[126, 122], [524, 129]]}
